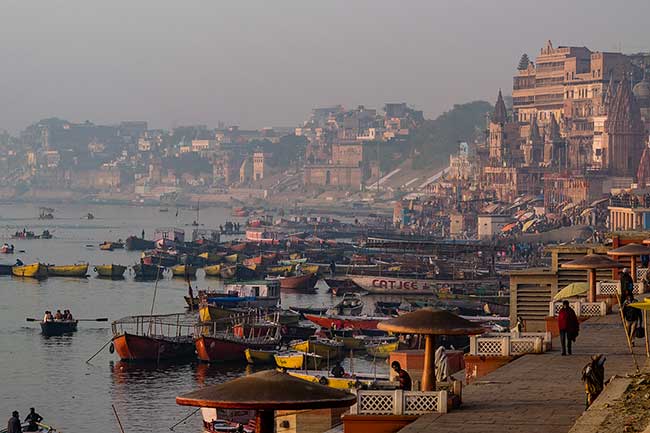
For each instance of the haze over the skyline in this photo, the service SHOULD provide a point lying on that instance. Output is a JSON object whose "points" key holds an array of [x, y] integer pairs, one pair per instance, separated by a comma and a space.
{"points": [[262, 63]]}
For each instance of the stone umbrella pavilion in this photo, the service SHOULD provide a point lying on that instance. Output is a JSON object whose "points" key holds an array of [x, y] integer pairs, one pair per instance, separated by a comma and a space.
{"points": [[430, 323], [591, 262], [632, 251], [266, 392]]}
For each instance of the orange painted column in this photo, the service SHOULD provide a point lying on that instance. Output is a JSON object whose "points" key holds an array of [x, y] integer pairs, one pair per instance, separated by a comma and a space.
{"points": [[429, 369], [592, 285]]}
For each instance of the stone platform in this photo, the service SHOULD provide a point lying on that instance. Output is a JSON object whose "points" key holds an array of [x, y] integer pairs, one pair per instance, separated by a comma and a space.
{"points": [[537, 392]]}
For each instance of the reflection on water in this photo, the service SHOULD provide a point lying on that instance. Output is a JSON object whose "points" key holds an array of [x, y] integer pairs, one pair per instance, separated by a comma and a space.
{"points": [[51, 374]]}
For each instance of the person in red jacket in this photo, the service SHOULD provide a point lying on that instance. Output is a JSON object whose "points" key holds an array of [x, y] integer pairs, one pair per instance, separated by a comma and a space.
{"points": [[567, 322]]}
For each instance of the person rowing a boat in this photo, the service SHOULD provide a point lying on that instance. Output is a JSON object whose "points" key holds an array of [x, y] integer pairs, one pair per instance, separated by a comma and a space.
{"points": [[58, 316], [48, 317], [13, 425], [67, 315], [33, 419]]}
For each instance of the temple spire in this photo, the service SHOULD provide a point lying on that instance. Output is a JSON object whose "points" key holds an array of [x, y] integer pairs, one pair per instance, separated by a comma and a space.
{"points": [[500, 114]]}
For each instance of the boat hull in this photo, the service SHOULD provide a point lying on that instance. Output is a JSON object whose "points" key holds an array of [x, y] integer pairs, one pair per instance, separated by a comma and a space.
{"points": [[184, 271], [302, 283], [35, 270], [382, 350], [138, 244], [110, 271], [131, 347], [68, 271], [55, 328], [345, 322], [213, 271], [326, 350], [211, 349], [299, 361], [260, 357], [397, 286]]}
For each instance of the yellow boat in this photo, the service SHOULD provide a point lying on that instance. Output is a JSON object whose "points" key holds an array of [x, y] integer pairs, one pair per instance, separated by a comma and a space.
{"points": [[324, 378], [382, 350], [294, 256], [310, 269], [259, 357], [328, 349], [210, 257], [35, 270], [110, 271], [231, 258], [209, 313], [78, 270], [351, 343], [299, 360], [184, 270], [213, 271], [279, 270]]}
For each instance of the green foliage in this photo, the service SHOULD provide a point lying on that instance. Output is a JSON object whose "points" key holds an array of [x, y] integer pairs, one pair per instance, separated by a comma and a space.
{"points": [[436, 139]]}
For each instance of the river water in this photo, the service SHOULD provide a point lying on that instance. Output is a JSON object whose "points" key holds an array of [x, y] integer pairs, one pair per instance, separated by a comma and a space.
{"points": [[51, 374]]}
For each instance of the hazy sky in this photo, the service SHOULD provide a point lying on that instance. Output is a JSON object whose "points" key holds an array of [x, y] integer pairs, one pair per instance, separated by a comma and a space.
{"points": [[268, 62]]}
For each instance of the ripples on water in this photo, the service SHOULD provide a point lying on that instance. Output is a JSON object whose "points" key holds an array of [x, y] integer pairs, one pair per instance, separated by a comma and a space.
{"points": [[51, 374]]}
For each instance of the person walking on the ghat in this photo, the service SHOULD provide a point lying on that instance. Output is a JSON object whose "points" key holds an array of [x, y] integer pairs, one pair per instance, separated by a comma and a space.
{"points": [[13, 425], [567, 322], [632, 317], [627, 285]]}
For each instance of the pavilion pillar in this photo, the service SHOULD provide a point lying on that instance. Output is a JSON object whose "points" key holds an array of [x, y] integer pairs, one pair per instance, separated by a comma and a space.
{"points": [[429, 368], [265, 421], [633, 267], [592, 285]]}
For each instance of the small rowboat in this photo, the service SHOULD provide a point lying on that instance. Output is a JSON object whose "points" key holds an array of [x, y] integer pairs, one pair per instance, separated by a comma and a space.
{"points": [[110, 271], [299, 360], [184, 270], [58, 327], [302, 283], [78, 270], [328, 349], [382, 350], [259, 357], [35, 270], [212, 271]]}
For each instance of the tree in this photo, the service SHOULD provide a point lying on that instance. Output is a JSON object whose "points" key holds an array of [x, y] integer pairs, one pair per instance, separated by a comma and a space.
{"points": [[523, 62]]}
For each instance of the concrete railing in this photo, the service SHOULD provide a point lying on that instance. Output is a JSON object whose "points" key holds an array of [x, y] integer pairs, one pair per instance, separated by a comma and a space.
{"points": [[399, 402], [582, 308], [507, 344], [613, 287]]}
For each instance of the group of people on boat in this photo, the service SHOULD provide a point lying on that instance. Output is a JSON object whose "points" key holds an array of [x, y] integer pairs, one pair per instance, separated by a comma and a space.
{"points": [[6, 248], [32, 419], [66, 316]]}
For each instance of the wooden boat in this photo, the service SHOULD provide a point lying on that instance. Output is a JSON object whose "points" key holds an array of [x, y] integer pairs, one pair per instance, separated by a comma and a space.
{"points": [[212, 271], [110, 271], [351, 305], [35, 270], [253, 294], [160, 258], [134, 243], [346, 322], [6, 249], [382, 350], [148, 272], [260, 357], [347, 382], [153, 338], [309, 310], [106, 246], [299, 283], [296, 332], [58, 327], [5, 269], [78, 270], [341, 287], [299, 360], [232, 258], [237, 272], [394, 285], [228, 347], [387, 308], [279, 270], [328, 349], [184, 271], [310, 269]]}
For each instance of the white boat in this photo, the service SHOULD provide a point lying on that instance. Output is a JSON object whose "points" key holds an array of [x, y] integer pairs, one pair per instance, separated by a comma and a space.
{"points": [[393, 285]]}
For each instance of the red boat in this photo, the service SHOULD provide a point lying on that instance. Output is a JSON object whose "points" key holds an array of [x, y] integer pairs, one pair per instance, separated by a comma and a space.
{"points": [[153, 338], [303, 283], [345, 322]]}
